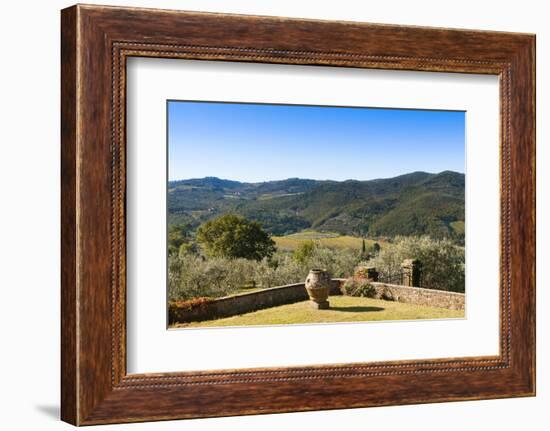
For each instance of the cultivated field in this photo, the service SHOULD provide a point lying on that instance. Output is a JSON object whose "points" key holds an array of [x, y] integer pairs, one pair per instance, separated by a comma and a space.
{"points": [[327, 239]]}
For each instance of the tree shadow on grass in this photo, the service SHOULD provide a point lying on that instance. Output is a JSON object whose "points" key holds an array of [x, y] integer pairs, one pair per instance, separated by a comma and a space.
{"points": [[357, 309]]}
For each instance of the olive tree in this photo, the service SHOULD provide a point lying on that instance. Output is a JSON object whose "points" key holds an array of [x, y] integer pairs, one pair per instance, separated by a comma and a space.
{"points": [[442, 261]]}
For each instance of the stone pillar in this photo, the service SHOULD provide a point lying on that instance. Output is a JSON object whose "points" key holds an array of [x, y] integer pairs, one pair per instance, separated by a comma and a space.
{"points": [[372, 273], [411, 272], [366, 273]]}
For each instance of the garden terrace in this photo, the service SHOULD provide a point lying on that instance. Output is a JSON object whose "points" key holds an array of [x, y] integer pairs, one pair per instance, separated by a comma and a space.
{"points": [[342, 309], [399, 303]]}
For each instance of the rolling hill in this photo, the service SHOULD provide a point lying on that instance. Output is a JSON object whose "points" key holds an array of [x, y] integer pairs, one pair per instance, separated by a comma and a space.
{"points": [[412, 204]]}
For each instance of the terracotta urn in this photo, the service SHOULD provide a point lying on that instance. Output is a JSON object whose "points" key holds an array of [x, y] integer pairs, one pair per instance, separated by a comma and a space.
{"points": [[318, 286]]}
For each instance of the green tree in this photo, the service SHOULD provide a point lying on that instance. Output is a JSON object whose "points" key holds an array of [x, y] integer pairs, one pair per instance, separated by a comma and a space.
{"points": [[187, 248], [304, 252], [178, 237], [232, 236], [442, 261]]}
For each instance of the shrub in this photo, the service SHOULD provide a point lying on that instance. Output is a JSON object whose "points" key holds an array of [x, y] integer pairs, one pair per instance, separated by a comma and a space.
{"points": [[191, 304], [359, 287], [191, 276]]}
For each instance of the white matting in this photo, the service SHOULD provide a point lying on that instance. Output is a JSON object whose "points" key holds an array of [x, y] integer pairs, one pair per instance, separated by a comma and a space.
{"points": [[152, 348]]}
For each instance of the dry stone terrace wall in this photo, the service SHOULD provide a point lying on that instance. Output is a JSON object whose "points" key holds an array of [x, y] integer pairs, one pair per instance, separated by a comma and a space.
{"points": [[419, 296], [291, 293], [239, 304]]}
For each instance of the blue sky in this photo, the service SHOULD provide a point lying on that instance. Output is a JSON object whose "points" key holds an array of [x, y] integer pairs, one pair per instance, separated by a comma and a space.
{"points": [[257, 142]]}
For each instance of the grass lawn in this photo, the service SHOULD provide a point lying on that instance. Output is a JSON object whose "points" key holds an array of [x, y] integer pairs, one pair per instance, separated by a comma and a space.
{"points": [[331, 240], [342, 309]]}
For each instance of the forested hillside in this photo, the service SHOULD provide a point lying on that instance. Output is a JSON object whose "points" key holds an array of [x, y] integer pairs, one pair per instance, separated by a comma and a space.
{"points": [[413, 204]]}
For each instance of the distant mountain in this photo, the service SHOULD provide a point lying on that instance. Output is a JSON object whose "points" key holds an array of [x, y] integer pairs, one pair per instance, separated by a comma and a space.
{"points": [[411, 204]]}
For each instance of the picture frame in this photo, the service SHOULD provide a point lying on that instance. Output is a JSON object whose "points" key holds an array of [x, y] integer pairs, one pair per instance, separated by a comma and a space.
{"points": [[96, 42]]}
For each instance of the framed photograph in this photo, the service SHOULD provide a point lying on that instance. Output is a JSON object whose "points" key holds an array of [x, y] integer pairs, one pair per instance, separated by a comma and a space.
{"points": [[357, 228], [267, 215]]}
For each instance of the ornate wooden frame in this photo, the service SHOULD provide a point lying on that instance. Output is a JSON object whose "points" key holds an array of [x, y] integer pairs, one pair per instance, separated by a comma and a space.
{"points": [[96, 41]]}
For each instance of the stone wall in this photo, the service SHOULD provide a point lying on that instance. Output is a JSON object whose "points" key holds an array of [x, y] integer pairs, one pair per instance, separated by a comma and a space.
{"points": [[244, 302], [291, 293], [420, 296], [239, 304]]}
